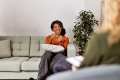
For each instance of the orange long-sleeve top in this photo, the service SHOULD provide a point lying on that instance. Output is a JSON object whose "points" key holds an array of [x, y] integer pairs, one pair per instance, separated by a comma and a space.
{"points": [[64, 42]]}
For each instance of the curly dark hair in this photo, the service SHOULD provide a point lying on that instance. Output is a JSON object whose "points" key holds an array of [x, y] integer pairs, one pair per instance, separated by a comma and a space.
{"points": [[63, 32], [56, 22]]}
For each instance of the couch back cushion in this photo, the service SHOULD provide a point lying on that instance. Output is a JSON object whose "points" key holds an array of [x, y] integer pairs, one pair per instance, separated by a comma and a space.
{"points": [[35, 50], [5, 48], [20, 45]]}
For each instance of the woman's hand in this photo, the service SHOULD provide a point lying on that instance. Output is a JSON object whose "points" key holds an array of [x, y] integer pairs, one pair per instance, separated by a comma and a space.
{"points": [[52, 36], [60, 38], [49, 38]]}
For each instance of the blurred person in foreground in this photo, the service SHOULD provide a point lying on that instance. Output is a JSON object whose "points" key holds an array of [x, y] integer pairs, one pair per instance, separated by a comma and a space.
{"points": [[104, 46]]}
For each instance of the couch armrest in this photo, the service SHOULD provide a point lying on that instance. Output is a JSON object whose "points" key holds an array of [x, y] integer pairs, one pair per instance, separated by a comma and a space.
{"points": [[71, 50]]}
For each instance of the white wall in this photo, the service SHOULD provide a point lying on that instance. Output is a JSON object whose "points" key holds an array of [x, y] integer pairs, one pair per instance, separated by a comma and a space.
{"points": [[7, 16], [33, 17], [94, 6]]}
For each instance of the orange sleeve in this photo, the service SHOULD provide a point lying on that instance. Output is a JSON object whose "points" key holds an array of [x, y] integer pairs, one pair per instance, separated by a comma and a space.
{"points": [[48, 40], [66, 42]]}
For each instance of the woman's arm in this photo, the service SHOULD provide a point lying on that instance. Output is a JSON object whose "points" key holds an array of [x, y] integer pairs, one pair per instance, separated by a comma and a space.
{"points": [[49, 38], [66, 42], [63, 41]]}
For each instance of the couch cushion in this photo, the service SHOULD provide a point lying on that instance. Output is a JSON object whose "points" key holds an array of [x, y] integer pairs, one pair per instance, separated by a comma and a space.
{"points": [[17, 75], [35, 49], [31, 65], [41, 39], [20, 45], [11, 64], [5, 48]]}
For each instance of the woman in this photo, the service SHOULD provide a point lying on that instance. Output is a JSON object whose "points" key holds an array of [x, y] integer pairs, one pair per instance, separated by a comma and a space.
{"points": [[56, 38], [49, 59]]}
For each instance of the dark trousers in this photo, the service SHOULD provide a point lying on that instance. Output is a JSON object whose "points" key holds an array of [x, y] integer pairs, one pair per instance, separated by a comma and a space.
{"points": [[60, 64], [44, 66], [48, 60]]}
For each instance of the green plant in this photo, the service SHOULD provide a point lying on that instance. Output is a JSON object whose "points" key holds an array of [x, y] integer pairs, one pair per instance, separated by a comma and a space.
{"points": [[84, 26]]}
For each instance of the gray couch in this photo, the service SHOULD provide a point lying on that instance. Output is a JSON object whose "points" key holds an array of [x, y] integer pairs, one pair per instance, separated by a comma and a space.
{"points": [[21, 55]]}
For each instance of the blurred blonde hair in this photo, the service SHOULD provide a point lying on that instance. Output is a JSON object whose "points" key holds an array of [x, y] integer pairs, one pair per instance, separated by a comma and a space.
{"points": [[111, 22]]}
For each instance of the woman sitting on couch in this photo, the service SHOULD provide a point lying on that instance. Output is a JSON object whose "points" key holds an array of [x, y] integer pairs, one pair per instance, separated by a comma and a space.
{"points": [[49, 58]]}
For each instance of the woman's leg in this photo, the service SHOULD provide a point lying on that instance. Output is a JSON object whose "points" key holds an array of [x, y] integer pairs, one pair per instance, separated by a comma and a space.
{"points": [[60, 64], [44, 66]]}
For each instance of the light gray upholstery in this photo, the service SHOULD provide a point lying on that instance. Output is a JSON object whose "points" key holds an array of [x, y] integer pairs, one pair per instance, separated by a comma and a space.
{"points": [[11, 64], [5, 48], [71, 50], [35, 49], [20, 45], [17, 75], [25, 57], [31, 65]]}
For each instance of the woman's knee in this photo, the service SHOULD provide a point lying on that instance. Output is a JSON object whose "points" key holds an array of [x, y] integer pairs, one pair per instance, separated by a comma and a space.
{"points": [[56, 68], [59, 67]]}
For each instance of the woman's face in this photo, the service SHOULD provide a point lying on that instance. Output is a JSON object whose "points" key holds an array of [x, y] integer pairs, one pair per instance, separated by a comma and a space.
{"points": [[57, 29]]}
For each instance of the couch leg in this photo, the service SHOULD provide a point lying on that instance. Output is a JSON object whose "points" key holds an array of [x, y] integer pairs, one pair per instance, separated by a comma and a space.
{"points": [[31, 78]]}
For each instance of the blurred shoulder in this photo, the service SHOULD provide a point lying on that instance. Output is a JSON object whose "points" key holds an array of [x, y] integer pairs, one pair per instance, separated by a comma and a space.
{"points": [[66, 37], [99, 38], [48, 36]]}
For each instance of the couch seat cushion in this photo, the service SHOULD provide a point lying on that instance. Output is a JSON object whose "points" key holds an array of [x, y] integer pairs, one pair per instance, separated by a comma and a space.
{"points": [[31, 65], [11, 64], [17, 75]]}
